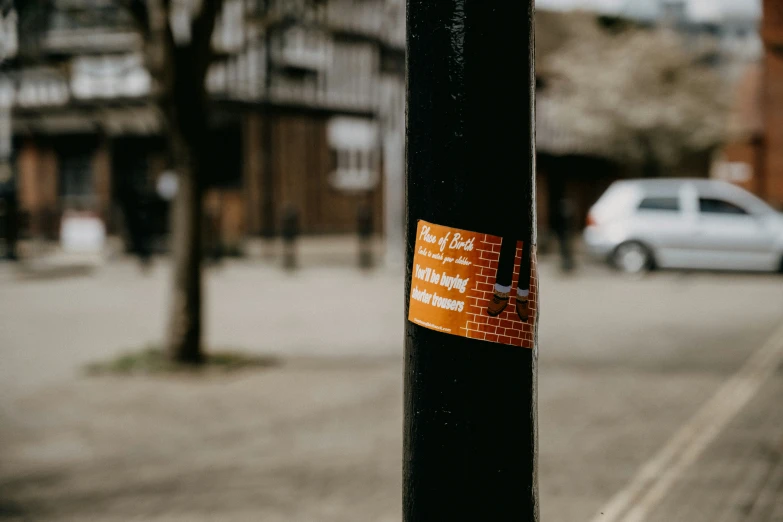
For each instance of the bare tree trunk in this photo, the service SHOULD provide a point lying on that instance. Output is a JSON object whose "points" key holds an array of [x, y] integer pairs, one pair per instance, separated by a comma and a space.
{"points": [[179, 65], [186, 113], [183, 341]]}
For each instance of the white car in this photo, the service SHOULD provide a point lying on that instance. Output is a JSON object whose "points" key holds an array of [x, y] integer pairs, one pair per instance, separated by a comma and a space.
{"points": [[684, 223]]}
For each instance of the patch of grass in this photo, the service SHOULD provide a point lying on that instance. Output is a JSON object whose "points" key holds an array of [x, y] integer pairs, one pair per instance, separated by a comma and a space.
{"points": [[153, 360]]}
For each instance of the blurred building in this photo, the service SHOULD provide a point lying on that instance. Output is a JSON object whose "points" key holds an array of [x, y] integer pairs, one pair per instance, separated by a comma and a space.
{"points": [[620, 97], [307, 95], [634, 88], [736, 34], [753, 157]]}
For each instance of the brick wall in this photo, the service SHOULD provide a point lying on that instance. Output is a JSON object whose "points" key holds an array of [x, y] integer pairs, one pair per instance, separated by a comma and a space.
{"points": [[772, 23], [772, 34], [505, 328], [773, 110]]}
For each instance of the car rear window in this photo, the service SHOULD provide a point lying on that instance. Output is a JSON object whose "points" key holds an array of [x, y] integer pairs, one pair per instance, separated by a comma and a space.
{"points": [[720, 206], [670, 204]]}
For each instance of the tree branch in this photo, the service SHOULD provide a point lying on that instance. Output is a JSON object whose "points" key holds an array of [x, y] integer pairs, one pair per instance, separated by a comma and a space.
{"points": [[202, 28], [138, 10]]}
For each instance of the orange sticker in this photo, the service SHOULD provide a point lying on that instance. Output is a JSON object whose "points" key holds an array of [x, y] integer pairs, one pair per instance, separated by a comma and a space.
{"points": [[474, 285]]}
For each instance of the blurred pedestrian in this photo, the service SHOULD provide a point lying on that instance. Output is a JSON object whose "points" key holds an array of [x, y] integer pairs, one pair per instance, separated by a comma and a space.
{"points": [[213, 243], [561, 215], [290, 231], [9, 215], [562, 228], [136, 207], [364, 222]]}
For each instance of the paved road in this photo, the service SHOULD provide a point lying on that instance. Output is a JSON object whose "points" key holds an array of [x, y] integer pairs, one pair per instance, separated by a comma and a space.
{"points": [[624, 364]]}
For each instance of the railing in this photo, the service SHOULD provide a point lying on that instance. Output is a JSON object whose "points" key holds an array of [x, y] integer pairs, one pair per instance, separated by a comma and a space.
{"points": [[302, 47], [97, 39], [41, 87], [348, 78], [109, 76], [365, 17]]}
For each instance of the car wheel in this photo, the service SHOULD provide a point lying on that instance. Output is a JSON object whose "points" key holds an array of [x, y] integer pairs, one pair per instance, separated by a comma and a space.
{"points": [[632, 257]]}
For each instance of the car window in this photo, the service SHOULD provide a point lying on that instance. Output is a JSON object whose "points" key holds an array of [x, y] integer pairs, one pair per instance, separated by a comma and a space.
{"points": [[720, 206], [670, 204]]}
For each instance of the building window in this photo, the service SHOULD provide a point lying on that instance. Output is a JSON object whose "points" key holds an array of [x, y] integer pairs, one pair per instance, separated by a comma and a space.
{"points": [[354, 170], [354, 145]]}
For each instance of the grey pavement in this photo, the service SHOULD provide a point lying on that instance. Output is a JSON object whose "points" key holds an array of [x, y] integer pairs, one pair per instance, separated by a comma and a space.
{"points": [[740, 476], [624, 363]]}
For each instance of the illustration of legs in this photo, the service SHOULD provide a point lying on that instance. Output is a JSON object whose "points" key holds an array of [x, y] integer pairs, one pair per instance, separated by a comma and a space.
{"points": [[503, 277], [523, 285], [503, 280]]}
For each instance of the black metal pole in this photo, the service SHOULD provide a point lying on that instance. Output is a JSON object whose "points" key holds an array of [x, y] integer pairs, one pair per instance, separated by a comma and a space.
{"points": [[470, 405]]}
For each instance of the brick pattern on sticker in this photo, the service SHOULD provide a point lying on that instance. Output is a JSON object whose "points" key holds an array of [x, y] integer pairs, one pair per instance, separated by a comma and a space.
{"points": [[506, 328]]}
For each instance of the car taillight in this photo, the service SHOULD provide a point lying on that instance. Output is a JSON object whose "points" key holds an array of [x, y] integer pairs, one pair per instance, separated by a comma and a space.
{"points": [[591, 222]]}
